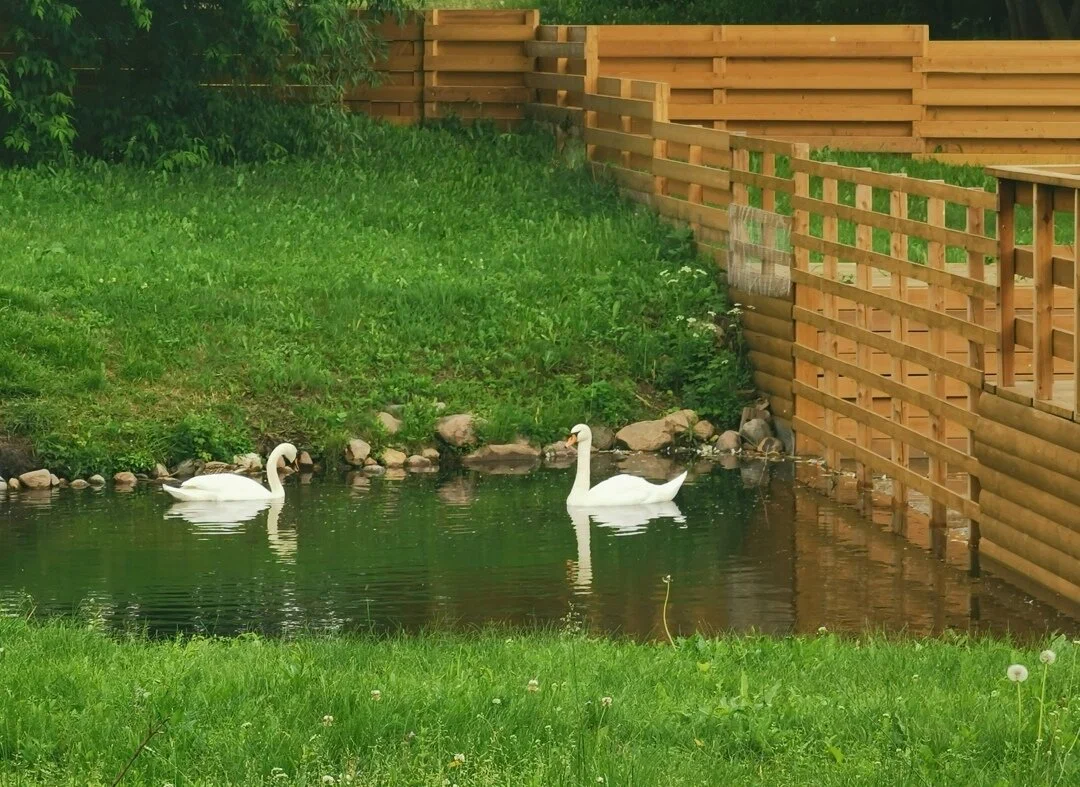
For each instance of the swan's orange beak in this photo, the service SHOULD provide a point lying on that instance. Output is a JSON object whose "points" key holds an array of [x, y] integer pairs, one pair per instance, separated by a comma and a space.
{"points": [[571, 441]]}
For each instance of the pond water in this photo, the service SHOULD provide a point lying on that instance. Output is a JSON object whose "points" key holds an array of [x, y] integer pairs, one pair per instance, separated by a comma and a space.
{"points": [[747, 549]]}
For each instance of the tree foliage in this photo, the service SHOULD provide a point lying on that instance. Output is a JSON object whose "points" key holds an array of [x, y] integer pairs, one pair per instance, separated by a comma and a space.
{"points": [[129, 79]]}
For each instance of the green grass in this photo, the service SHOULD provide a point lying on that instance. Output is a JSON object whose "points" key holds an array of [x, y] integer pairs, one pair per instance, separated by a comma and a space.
{"points": [[146, 316], [735, 710]]}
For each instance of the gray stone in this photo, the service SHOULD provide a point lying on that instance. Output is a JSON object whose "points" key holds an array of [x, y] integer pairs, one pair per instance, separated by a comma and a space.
{"points": [[3, 486], [457, 430], [248, 463], [96, 480], [357, 451], [392, 458], [510, 453], [559, 449], [374, 469], [704, 431], [36, 479], [430, 454], [391, 424], [645, 436], [730, 441], [125, 479], [188, 467], [79, 483], [784, 433], [417, 462], [603, 438], [161, 471], [305, 461], [370, 462], [681, 421], [54, 480], [755, 430]]}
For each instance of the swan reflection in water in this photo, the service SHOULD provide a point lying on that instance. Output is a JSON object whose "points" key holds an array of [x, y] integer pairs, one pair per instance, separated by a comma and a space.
{"points": [[625, 520], [217, 518]]}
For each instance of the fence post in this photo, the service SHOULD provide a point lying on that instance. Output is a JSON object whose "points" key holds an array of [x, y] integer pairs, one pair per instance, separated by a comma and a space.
{"points": [[1042, 252], [592, 74], [805, 334], [1006, 360], [1076, 304], [864, 396], [920, 102], [659, 146], [431, 77], [898, 289]]}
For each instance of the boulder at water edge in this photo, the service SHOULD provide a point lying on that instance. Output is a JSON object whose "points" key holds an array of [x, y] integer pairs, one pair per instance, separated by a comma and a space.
{"points": [[36, 479], [771, 445], [511, 453], [704, 430], [457, 430], [188, 467], [248, 463], [3, 486], [755, 430], [125, 479], [357, 451], [729, 441], [96, 480], [417, 462], [603, 438], [54, 480], [305, 461], [559, 449], [391, 424], [430, 454], [13, 484], [160, 471], [393, 458], [645, 435], [681, 421], [79, 483]]}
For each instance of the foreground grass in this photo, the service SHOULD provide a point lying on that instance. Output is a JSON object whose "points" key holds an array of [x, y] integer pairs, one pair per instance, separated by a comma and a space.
{"points": [[75, 706], [149, 316]]}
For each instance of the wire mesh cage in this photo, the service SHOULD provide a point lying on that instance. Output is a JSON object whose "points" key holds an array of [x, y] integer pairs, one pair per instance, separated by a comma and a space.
{"points": [[759, 251]]}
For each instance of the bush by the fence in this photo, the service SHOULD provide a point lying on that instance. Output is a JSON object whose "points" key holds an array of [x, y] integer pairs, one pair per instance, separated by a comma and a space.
{"points": [[124, 79]]}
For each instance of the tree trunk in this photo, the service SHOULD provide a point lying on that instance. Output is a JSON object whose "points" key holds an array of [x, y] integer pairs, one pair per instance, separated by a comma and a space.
{"points": [[1054, 19]]}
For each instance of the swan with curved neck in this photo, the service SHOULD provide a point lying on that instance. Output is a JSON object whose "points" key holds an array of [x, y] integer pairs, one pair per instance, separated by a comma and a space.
{"points": [[620, 490], [221, 487]]}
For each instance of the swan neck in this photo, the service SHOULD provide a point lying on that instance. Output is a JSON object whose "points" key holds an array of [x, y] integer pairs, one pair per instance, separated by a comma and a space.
{"points": [[276, 489], [584, 462]]}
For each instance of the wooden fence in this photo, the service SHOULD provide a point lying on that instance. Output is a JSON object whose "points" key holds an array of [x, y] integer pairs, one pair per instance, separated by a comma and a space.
{"points": [[896, 352]]}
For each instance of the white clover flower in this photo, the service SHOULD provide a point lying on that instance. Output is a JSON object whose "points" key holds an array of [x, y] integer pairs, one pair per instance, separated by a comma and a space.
{"points": [[459, 758], [496, 701], [822, 630], [1048, 657], [1017, 673], [606, 701], [328, 779], [327, 720], [534, 685], [376, 695], [245, 725]]}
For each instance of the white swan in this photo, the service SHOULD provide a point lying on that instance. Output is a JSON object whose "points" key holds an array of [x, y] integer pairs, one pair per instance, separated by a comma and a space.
{"points": [[232, 486], [620, 490]]}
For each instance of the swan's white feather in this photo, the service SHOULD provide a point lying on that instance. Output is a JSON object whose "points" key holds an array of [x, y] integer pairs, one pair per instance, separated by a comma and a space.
{"points": [[221, 487], [631, 490]]}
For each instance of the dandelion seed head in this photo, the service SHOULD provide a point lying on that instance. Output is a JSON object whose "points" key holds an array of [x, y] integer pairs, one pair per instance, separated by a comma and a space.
{"points": [[534, 685], [496, 701], [328, 779], [376, 695], [459, 758], [327, 720], [1017, 673], [1048, 657], [606, 701]]}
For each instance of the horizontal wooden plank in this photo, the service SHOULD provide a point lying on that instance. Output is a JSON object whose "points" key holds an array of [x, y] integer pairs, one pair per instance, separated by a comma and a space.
{"points": [[815, 32], [977, 243], [881, 464], [478, 94], [780, 308], [478, 63], [793, 112], [885, 262], [767, 182], [809, 80], [891, 387], [390, 93], [615, 105], [770, 384], [619, 140], [713, 139], [957, 460], [479, 32], [987, 159], [993, 64], [761, 144], [717, 218], [628, 178], [1061, 341], [769, 345], [573, 83], [1062, 267], [875, 300], [975, 198], [762, 323], [556, 49], [711, 177], [782, 368], [998, 129], [890, 346], [996, 97]]}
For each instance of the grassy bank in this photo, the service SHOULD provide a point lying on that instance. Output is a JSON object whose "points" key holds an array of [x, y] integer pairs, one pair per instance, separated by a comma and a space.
{"points": [[816, 710], [149, 316]]}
